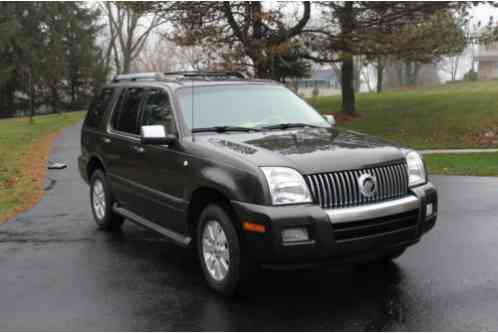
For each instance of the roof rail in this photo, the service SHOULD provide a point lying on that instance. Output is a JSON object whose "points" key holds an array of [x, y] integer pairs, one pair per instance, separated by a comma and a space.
{"points": [[206, 75], [138, 76]]}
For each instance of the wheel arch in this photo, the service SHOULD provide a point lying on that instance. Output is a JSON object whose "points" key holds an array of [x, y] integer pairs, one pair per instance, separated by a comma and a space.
{"points": [[94, 163], [201, 198]]}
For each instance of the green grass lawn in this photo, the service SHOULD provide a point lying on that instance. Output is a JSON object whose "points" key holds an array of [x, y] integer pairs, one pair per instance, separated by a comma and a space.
{"points": [[23, 150], [448, 116], [463, 164]]}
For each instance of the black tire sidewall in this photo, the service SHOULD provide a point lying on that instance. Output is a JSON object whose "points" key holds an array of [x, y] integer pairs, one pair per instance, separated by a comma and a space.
{"points": [[394, 254], [228, 286], [106, 222]]}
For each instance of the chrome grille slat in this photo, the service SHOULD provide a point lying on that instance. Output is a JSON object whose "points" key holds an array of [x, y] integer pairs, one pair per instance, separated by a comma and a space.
{"points": [[400, 178], [380, 194], [392, 184], [349, 190], [340, 189], [396, 179], [326, 188], [334, 190], [387, 183]]}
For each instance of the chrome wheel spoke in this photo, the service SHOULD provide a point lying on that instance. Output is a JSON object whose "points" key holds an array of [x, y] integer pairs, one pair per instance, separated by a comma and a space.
{"points": [[210, 261], [224, 254], [208, 247], [223, 266], [98, 198], [217, 270], [215, 251]]}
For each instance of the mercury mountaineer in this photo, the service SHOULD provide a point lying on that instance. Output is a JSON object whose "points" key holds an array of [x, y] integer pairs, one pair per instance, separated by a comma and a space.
{"points": [[248, 175]]}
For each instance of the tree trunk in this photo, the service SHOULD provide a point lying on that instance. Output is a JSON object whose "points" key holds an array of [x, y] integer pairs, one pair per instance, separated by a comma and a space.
{"points": [[126, 63], [348, 93], [411, 70], [380, 76], [347, 69], [10, 90], [73, 96], [262, 69], [2, 102], [31, 97], [54, 99]]}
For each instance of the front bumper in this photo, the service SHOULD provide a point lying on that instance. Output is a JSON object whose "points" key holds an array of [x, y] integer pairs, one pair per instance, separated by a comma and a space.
{"points": [[82, 167], [338, 235]]}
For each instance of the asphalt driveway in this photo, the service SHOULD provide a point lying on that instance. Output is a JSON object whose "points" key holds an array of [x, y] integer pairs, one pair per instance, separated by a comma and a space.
{"points": [[58, 272]]}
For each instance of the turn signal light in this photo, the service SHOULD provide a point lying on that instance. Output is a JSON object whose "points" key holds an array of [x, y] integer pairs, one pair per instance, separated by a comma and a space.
{"points": [[254, 227]]}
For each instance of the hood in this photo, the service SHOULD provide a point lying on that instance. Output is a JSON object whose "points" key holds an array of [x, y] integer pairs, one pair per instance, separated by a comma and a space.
{"points": [[309, 150]]}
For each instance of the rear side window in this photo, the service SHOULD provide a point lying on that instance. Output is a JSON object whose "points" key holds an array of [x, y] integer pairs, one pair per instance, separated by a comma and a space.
{"points": [[157, 110], [98, 107], [125, 119]]}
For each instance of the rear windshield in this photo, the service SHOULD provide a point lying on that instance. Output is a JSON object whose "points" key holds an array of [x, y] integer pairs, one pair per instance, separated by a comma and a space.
{"points": [[245, 106]]}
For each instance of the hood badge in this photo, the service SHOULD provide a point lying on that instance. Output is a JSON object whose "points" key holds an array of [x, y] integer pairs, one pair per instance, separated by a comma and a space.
{"points": [[368, 185]]}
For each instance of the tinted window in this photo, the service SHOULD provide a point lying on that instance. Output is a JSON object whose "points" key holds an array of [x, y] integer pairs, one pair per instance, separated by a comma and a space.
{"points": [[157, 110], [98, 107], [126, 119], [117, 110]]}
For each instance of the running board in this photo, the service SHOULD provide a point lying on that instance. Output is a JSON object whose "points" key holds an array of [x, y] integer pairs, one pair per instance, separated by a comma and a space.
{"points": [[175, 237]]}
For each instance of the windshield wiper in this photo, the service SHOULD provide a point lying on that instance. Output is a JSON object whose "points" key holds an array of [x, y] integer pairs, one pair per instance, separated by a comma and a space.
{"points": [[223, 129], [284, 126]]}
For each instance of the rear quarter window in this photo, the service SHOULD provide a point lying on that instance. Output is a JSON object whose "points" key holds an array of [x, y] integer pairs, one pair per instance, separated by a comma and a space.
{"points": [[97, 109]]}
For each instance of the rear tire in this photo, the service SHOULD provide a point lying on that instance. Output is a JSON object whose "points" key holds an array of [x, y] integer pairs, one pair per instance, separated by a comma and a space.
{"points": [[101, 202], [224, 265]]}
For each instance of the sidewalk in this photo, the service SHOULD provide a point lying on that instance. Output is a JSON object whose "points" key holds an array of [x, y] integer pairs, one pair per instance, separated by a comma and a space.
{"points": [[457, 151]]}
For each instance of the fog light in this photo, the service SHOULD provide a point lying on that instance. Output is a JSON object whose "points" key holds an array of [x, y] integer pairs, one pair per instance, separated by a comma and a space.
{"points": [[295, 235], [429, 210]]}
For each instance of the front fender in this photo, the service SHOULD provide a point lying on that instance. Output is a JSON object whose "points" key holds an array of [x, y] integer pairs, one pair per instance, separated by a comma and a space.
{"points": [[234, 184]]}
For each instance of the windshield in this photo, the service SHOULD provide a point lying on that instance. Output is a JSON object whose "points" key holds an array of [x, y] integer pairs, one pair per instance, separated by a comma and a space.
{"points": [[250, 106]]}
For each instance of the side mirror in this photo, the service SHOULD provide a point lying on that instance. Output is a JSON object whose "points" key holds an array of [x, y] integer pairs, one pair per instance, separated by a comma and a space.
{"points": [[330, 119], [156, 135]]}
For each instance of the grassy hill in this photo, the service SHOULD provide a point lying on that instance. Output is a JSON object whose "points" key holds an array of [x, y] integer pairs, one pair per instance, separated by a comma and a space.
{"points": [[457, 115], [24, 148]]}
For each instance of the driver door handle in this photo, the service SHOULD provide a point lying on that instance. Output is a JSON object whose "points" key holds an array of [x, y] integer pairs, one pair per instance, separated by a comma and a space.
{"points": [[138, 149]]}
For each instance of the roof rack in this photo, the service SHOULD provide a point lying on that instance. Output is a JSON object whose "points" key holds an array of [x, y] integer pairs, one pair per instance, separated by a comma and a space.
{"points": [[138, 76], [206, 75], [183, 75]]}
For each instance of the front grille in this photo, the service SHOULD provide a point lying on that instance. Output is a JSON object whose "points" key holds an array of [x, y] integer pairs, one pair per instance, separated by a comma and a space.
{"points": [[376, 227], [340, 189]]}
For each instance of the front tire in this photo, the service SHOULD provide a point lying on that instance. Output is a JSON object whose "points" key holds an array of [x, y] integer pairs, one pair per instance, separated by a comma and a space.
{"points": [[390, 256], [224, 265], [101, 203]]}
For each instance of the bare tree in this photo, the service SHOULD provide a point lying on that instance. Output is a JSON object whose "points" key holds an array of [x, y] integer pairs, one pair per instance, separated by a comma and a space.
{"points": [[243, 33], [161, 54], [129, 31], [451, 65]]}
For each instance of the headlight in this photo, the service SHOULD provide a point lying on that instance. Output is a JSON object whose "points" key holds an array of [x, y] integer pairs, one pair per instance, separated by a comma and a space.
{"points": [[287, 186], [416, 169]]}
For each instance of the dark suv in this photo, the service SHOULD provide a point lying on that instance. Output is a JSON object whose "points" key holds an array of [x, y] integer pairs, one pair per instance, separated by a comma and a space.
{"points": [[248, 174]]}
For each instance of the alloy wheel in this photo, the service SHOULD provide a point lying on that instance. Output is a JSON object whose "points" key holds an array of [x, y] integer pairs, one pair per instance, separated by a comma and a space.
{"points": [[98, 198], [215, 251]]}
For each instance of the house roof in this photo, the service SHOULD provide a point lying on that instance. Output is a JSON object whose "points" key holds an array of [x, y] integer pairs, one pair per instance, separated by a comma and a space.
{"points": [[488, 58]]}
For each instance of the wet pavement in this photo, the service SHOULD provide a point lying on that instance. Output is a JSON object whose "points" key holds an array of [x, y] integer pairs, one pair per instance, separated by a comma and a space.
{"points": [[58, 272]]}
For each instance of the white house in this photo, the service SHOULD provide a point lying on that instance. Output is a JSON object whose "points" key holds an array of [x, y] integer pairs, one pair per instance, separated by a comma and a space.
{"points": [[488, 61]]}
